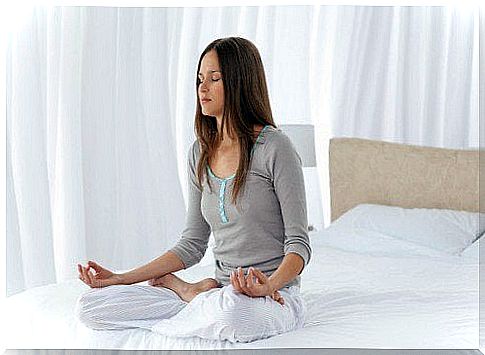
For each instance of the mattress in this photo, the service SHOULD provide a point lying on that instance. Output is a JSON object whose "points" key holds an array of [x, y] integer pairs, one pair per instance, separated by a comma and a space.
{"points": [[359, 291]]}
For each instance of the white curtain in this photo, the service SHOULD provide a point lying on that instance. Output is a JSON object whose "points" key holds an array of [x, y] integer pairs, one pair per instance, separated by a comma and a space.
{"points": [[100, 107]]}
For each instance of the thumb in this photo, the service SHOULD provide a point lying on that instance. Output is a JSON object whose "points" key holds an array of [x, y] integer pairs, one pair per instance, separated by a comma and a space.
{"points": [[261, 277], [95, 266]]}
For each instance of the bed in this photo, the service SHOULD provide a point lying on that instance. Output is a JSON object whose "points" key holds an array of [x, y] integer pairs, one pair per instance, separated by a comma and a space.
{"points": [[364, 288]]}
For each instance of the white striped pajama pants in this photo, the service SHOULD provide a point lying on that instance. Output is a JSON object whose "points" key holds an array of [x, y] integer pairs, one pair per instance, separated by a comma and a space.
{"points": [[218, 314]]}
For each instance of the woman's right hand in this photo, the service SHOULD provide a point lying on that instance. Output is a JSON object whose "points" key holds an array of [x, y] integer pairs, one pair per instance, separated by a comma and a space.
{"points": [[101, 278]]}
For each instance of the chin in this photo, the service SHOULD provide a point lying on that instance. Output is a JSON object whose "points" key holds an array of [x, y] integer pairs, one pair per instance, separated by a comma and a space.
{"points": [[210, 113]]}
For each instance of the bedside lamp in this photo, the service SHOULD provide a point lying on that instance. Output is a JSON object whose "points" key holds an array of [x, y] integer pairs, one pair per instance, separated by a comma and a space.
{"points": [[303, 138]]}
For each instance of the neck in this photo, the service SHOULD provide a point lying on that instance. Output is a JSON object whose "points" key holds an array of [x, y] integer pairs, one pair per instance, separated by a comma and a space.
{"points": [[227, 141]]}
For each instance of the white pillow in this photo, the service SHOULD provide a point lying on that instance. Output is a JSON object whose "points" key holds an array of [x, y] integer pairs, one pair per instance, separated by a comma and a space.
{"points": [[370, 243], [443, 230]]}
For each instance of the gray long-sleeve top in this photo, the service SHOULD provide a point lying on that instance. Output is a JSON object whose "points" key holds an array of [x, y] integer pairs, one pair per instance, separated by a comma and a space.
{"points": [[268, 221]]}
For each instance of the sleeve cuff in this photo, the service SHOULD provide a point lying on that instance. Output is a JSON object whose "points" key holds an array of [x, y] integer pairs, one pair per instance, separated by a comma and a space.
{"points": [[301, 250], [187, 258]]}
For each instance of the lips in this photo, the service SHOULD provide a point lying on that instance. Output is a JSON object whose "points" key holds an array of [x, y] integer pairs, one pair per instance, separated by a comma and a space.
{"points": [[204, 101]]}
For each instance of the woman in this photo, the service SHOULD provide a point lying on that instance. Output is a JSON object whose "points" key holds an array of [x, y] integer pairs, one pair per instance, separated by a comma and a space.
{"points": [[246, 186]]}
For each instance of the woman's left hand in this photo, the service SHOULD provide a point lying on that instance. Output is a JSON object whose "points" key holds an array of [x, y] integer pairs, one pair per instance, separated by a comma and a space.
{"points": [[255, 284]]}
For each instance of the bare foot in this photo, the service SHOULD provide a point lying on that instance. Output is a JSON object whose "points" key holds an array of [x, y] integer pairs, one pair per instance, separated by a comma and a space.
{"points": [[185, 290]]}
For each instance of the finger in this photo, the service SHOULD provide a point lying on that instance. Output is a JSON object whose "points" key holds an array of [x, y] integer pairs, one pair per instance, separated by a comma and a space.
{"points": [[274, 296], [90, 274], [252, 283], [241, 278], [86, 275], [83, 273], [260, 276], [91, 278], [249, 279], [279, 298], [95, 266], [235, 282], [277, 295]]}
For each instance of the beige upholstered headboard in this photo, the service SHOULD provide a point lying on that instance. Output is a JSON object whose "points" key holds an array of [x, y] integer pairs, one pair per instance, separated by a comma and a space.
{"points": [[369, 171]]}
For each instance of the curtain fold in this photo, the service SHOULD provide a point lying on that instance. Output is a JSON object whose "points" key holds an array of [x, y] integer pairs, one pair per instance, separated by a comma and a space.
{"points": [[26, 139], [101, 103]]}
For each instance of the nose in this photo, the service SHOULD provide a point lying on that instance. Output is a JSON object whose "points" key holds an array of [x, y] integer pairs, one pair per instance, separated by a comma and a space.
{"points": [[203, 87]]}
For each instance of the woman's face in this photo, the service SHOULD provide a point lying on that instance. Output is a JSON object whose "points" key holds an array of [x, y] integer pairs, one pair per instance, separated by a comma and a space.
{"points": [[211, 89]]}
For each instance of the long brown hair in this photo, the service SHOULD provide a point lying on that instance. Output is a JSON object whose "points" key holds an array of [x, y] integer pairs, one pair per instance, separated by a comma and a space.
{"points": [[246, 103]]}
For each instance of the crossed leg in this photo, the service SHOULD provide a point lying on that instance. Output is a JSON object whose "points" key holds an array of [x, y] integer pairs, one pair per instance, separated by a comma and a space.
{"points": [[137, 306], [226, 314], [185, 290]]}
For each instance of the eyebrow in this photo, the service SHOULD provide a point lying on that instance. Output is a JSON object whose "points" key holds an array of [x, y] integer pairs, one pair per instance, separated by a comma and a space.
{"points": [[212, 71]]}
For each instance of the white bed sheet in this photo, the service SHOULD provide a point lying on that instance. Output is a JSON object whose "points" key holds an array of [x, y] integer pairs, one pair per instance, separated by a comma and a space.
{"points": [[357, 298]]}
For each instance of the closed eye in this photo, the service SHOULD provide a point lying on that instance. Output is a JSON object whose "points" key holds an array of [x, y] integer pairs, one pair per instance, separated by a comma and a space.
{"points": [[214, 80]]}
